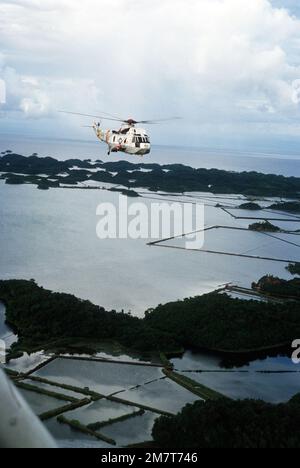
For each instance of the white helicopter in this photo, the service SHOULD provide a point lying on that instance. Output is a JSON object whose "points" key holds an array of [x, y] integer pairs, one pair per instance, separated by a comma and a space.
{"points": [[128, 139]]}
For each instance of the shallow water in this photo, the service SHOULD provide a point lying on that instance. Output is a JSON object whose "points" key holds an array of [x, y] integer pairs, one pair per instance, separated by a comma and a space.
{"points": [[132, 431], [55, 389], [27, 362], [104, 378], [100, 411], [243, 242], [273, 379], [164, 395], [66, 437], [41, 403], [273, 388], [213, 361]]}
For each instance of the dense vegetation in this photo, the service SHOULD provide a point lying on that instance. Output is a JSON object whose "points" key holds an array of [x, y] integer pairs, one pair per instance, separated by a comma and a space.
{"points": [[250, 206], [169, 178], [292, 207], [278, 287], [231, 424], [126, 192], [264, 226], [217, 321], [213, 321], [294, 268], [40, 316]]}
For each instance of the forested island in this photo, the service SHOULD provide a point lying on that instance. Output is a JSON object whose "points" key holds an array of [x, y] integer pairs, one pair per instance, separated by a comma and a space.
{"points": [[289, 207], [47, 320], [294, 268], [226, 423], [49, 172], [264, 226], [278, 287], [44, 318], [251, 206], [219, 322]]}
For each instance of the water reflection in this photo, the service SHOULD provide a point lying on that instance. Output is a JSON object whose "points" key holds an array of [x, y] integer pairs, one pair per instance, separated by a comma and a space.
{"points": [[273, 379]]}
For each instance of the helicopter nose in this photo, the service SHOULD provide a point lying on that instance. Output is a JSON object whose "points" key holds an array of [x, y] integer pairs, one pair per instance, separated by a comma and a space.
{"points": [[145, 150]]}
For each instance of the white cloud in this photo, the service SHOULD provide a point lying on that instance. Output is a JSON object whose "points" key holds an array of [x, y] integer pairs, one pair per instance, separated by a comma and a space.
{"points": [[218, 63]]}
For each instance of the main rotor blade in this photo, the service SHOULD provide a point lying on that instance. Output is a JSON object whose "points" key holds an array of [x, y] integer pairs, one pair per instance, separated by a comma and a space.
{"points": [[101, 117], [156, 121], [116, 119], [113, 116]]}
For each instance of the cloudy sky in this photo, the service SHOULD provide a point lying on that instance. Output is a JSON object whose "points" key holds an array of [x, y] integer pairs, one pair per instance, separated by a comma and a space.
{"points": [[230, 68]]}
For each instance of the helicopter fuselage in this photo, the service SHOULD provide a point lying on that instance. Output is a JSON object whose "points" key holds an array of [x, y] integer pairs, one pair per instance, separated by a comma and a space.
{"points": [[128, 139]]}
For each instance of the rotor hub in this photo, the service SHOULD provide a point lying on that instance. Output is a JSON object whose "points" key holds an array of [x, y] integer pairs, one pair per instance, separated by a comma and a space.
{"points": [[131, 122]]}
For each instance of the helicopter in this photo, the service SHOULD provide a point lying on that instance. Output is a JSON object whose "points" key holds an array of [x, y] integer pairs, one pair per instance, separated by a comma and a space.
{"points": [[128, 138]]}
